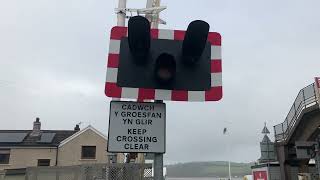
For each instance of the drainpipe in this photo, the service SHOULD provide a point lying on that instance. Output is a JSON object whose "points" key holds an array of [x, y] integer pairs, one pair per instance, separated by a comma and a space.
{"points": [[57, 156]]}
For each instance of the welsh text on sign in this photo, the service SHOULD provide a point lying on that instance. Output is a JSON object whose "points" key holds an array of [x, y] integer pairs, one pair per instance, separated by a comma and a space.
{"points": [[136, 127]]}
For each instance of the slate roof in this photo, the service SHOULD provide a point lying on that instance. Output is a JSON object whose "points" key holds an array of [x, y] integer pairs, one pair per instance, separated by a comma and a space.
{"points": [[265, 130], [30, 141], [266, 139]]}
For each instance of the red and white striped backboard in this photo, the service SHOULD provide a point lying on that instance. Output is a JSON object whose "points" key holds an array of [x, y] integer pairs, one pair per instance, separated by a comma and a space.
{"points": [[114, 91]]}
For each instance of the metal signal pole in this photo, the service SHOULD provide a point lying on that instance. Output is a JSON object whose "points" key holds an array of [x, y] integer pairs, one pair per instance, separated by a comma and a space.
{"points": [[121, 21], [121, 15], [158, 157], [154, 20], [154, 17]]}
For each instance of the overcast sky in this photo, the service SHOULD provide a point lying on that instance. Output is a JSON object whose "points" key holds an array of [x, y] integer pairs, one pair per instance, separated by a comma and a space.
{"points": [[53, 65]]}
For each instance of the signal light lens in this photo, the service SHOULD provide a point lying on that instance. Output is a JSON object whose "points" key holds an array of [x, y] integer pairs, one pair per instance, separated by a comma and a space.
{"points": [[165, 68], [194, 41], [139, 38]]}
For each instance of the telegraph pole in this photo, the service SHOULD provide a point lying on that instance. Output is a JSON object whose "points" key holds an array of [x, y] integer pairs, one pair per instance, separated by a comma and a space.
{"points": [[228, 149]]}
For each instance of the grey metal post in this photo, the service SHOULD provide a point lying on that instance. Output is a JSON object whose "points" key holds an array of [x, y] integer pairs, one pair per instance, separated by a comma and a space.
{"points": [[154, 18], [158, 157], [158, 162], [158, 166], [121, 16]]}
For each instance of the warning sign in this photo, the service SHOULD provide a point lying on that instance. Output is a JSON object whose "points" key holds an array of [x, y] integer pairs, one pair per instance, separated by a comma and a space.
{"points": [[260, 175], [136, 127]]}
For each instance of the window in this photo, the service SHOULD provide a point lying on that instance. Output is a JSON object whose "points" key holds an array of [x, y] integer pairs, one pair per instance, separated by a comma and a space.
{"points": [[4, 156], [88, 152], [43, 162]]}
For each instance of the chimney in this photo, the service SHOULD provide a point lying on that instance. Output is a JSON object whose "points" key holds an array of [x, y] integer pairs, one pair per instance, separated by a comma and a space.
{"points": [[77, 128], [36, 131]]}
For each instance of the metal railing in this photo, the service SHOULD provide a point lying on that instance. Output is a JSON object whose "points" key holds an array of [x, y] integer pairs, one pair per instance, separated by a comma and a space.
{"points": [[306, 98], [128, 171]]}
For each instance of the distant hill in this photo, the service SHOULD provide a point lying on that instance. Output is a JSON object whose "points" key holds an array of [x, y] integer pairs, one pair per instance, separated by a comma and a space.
{"points": [[208, 169]]}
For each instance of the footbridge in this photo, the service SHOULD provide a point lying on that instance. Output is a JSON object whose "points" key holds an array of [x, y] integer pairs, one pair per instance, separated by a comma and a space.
{"points": [[300, 128]]}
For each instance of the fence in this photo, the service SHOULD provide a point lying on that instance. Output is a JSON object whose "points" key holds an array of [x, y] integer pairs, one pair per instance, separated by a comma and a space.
{"points": [[92, 172], [306, 98], [13, 174]]}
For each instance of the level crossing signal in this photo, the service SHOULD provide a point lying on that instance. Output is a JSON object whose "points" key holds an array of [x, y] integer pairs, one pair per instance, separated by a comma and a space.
{"points": [[157, 64]]}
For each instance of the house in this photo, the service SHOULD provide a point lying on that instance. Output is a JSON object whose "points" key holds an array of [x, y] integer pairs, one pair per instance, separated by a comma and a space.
{"points": [[37, 147]]}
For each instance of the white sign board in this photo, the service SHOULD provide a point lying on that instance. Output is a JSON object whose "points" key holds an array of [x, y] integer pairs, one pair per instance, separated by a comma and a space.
{"points": [[136, 127]]}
